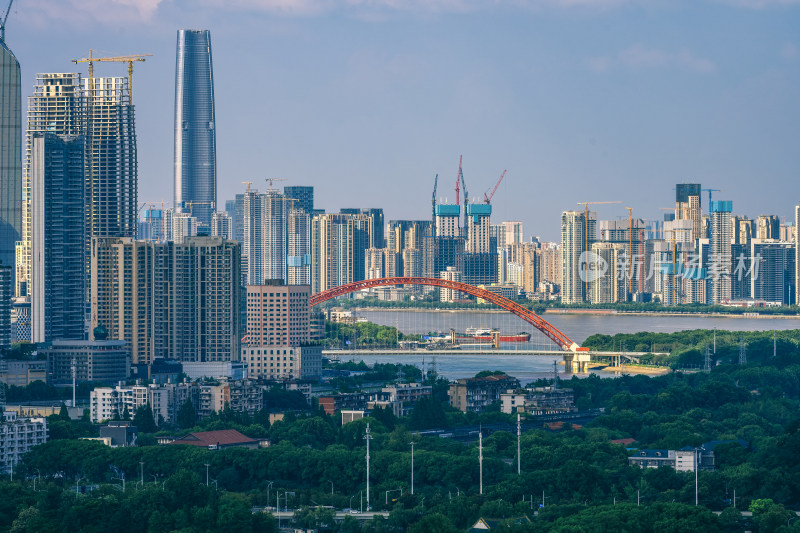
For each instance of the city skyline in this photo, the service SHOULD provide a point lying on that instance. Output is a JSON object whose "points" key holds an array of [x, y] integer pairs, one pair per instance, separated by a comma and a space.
{"points": [[595, 95]]}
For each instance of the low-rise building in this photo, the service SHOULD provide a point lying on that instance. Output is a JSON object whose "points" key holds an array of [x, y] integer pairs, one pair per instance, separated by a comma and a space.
{"points": [[473, 395], [682, 460], [218, 440], [17, 437], [22, 373], [538, 401], [102, 361], [351, 401], [120, 433]]}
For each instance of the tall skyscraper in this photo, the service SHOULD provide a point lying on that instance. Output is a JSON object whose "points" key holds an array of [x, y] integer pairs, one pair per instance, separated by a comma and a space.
{"points": [[304, 196], [720, 234], [195, 133], [58, 280], [578, 233], [10, 156], [687, 207], [339, 243]]}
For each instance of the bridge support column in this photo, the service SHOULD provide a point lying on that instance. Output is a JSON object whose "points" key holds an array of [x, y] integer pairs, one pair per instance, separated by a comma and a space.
{"points": [[568, 358]]}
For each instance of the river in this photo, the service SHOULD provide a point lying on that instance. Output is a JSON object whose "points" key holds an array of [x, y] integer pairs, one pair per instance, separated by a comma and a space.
{"points": [[528, 368]]}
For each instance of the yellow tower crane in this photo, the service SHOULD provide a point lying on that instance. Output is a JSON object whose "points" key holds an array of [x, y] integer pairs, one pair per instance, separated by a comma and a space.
{"points": [[129, 59]]}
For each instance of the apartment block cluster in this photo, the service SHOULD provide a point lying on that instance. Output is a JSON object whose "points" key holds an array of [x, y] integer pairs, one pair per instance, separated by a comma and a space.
{"points": [[691, 256], [17, 436]]}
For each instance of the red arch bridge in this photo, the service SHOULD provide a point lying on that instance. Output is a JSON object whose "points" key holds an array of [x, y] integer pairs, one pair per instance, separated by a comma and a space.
{"points": [[575, 356]]}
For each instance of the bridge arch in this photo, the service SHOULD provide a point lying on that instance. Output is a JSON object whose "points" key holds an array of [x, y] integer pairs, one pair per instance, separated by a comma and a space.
{"points": [[549, 330]]}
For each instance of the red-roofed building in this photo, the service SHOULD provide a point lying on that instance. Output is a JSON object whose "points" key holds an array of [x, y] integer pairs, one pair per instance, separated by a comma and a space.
{"points": [[218, 440]]}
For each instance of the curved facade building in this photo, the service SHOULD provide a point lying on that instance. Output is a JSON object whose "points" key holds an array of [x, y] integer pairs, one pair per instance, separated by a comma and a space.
{"points": [[10, 156], [195, 136]]}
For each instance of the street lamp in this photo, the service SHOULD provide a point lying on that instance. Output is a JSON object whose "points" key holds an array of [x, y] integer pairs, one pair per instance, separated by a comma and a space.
{"points": [[122, 478], [331, 482], [141, 470], [412, 466], [77, 481], [207, 465], [268, 486], [386, 493]]}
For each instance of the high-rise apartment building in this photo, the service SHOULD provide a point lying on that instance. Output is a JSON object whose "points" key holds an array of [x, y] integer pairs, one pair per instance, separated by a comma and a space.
{"points": [[773, 279], [278, 344], [10, 156], [195, 127], [168, 300], [222, 225], [610, 287], [58, 279], [338, 246], [768, 227], [303, 195], [720, 235], [265, 235], [298, 247], [478, 228], [513, 232], [578, 233], [688, 207], [797, 253]]}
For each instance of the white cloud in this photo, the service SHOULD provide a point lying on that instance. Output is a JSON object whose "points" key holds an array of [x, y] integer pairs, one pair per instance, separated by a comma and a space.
{"points": [[639, 56]]}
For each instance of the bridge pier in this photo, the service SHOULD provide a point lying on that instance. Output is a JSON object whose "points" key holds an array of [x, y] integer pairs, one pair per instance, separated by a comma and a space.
{"points": [[576, 362]]}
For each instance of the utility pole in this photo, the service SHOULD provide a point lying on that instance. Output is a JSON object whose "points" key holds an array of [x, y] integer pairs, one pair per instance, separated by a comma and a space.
{"points": [[368, 437], [742, 351], [141, 469], [412, 466], [715, 340], [207, 465], [555, 374], [519, 434], [707, 360], [774, 344], [695, 476], [74, 379], [480, 457]]}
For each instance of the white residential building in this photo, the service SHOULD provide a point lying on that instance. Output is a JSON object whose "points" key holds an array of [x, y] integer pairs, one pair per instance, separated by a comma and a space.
{"points": [[17, 437]]}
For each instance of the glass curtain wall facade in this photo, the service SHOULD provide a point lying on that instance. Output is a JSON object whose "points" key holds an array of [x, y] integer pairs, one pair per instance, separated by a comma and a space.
{"points": [[195, 135], [10, 156]]}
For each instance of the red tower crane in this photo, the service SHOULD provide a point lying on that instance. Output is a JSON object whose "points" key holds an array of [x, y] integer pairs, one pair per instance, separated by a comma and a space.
{"points": [[488, 199]]}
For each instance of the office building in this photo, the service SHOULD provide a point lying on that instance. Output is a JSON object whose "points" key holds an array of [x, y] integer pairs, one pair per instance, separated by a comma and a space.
{"points": [[719, 251], [10, 156], [58, 281], [111, 163], [152, 227], [168, 300], [56, 106], [195, 126], [578, 230], [103, 361], [772, 279], [303, 196], [278, 342]]}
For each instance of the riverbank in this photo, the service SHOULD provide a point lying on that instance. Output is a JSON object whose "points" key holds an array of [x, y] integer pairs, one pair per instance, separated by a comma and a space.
{"points": [[581, 311], [639, 370]]}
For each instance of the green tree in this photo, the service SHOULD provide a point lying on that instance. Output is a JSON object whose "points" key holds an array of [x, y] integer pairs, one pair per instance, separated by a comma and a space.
{"points": [[187, 415], [428, 413], [433, 522], [143, 419]]}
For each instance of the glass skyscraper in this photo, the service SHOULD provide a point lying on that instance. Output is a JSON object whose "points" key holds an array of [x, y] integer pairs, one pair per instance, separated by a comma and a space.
{"points": [[10, 155], [195, 136]]}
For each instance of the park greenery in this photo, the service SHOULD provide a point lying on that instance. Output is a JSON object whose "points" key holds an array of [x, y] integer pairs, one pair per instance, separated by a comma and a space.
{"points": [[571, 480]]}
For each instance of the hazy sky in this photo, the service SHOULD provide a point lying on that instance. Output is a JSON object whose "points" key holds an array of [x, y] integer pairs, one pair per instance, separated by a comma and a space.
{"points": [[367, 100]]}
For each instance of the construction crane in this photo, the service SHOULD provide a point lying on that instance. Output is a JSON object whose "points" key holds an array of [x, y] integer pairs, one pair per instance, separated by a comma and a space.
{"points": [[458, 178], [129, 59], [709, 191], [248, 183], [433, 199], [270, 180], [191, 203], [3, 22], [488, 199]]}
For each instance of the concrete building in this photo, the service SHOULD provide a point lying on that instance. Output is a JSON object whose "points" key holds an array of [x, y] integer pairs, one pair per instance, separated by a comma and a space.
{"points": [[298, 246], [195, 126], [16, 373], [772, 267], [610, 286], [478, 232], [222, 225], [538, 401], [339, 242], [719, 251], [10, 157], [168, 300], [578, 233], [450, 295], [56, 106], [18, 436], [513, 231], [688, 207], [265, 235], [472, 395], [768, 227], [6, 275], [278, 344], [304, 196], [58, 282], [99, 361]]}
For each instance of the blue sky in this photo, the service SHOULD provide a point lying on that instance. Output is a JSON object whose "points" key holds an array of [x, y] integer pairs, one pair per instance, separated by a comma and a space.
{"points": [[367, 100]]}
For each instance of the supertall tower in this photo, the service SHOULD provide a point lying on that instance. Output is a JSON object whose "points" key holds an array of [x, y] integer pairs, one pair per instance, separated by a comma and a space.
{"points": [[10, 155], [195, 134]]}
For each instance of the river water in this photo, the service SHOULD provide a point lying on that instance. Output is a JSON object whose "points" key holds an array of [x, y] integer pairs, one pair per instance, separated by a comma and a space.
{"points": [[528, 368]]}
